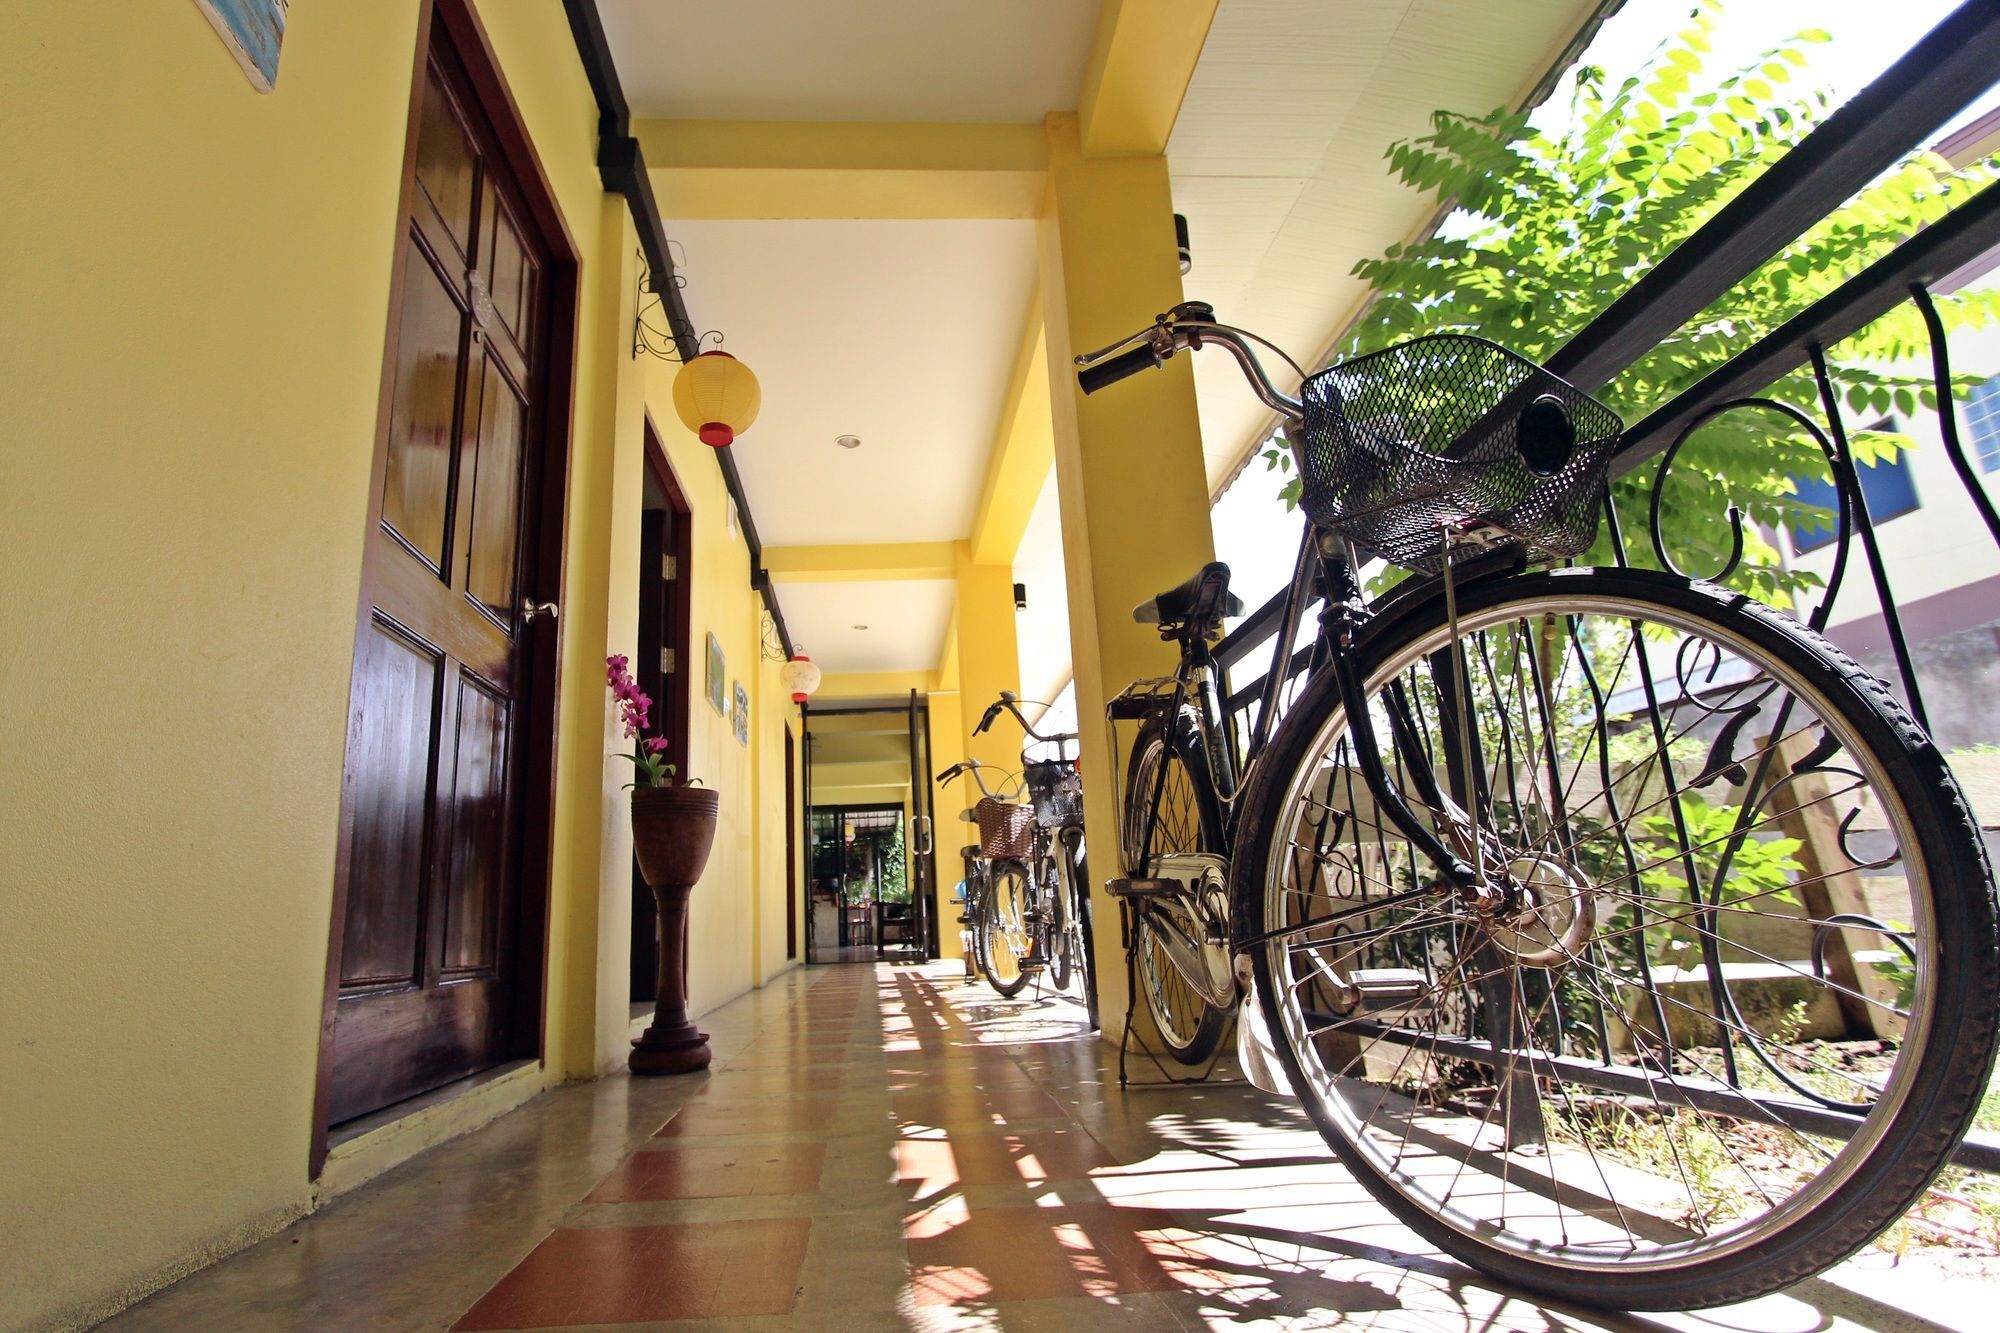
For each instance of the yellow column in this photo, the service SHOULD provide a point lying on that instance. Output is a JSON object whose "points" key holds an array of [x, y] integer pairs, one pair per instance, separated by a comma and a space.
{"points": [[948, 832], [1129, 470], [989, 661]]}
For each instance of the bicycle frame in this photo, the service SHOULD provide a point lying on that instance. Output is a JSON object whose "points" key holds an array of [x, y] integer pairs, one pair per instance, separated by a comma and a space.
{"points": [[1325, 566]]}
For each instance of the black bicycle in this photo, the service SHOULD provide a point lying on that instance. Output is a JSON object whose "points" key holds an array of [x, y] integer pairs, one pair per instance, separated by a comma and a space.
{"points": [[1623, 936], [1001, 916], [1058, 871]]}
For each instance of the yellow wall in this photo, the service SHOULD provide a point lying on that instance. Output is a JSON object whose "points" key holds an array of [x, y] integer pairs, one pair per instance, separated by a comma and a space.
{"points": [[195, 304], [949, 833]]}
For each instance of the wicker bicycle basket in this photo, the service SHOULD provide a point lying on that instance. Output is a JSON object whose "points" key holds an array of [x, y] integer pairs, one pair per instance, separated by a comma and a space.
{"points": [[1006, 831], [1055, 789], [1451, 433]]}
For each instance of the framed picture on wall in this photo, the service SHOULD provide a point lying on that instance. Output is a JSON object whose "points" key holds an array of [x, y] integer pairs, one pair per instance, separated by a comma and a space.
{"points": [[717, 671], [739, 713], [254, 32]]}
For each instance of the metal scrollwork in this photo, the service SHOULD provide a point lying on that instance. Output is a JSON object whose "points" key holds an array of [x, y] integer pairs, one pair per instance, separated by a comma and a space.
{"points": [[1843, 515]]}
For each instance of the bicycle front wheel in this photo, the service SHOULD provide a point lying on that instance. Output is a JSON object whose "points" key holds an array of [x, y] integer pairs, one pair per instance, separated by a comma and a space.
{"points": [[1003, 937], [1728, 1002]]}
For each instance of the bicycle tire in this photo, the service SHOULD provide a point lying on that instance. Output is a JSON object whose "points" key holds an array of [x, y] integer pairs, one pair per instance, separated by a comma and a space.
{"points": [[1188, 1026], [994, 928], [1865, 1178], [1057, 929], [1081, 928]]}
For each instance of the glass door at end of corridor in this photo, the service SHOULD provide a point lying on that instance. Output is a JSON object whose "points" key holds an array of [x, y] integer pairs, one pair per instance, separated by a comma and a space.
{"points": [[859, 885]]}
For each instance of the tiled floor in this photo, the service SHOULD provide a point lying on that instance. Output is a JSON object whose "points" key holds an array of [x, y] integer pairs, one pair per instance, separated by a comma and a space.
{"points": [[887, 1148]]}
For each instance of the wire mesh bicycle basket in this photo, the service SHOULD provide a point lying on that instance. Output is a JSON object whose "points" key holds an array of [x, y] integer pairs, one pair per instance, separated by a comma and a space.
{"points": [[1454, 431], [1055, 789], [1006, 830]]}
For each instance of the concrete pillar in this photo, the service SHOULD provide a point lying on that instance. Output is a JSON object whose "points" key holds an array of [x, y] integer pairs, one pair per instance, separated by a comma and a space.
{"points": [[989, 661], [949, 834], [1129, 469]]}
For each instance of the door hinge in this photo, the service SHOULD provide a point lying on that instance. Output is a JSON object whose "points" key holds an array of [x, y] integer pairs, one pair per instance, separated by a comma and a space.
{"points": [[670, 568], [666, 661]]}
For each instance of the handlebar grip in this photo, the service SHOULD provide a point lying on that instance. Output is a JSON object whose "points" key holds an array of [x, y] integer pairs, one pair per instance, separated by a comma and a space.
{"points": [[948, 774], [992, 715], [1123, 366]]}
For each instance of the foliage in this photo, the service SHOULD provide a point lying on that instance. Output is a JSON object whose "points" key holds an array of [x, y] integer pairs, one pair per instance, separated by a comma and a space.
{"points": [[895, 869], [1759, 868], [1553, 228]]}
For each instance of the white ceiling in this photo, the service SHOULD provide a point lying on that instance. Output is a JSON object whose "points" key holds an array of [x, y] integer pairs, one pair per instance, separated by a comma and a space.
{"points": [[906, 621], [902, 333], [964, 61], [1277, 157]]}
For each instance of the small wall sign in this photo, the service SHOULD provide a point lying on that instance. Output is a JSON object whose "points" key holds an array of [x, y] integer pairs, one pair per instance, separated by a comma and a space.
{"points": [[739, 714], [714, 680], [254, 31]]}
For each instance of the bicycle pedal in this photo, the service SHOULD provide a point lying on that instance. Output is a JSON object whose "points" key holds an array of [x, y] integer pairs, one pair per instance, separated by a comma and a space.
{"points": [[1391, 990], [1143, 888]]}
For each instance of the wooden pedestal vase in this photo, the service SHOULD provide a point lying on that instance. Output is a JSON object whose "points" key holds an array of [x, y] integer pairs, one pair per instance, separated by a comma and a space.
{"points": [[673, 829]]}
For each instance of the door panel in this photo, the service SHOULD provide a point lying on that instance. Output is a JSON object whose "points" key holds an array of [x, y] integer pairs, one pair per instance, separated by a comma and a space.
{"points": [[389, 771], [479, 828], [447, 162], [430, 984], [514, 274], [492, 535], [424, 421]]}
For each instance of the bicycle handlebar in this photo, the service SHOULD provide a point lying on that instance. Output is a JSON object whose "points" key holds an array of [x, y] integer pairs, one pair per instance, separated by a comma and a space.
{"points": [[1107, 373], [1011, 703], [1190, 325], [971, 766]]}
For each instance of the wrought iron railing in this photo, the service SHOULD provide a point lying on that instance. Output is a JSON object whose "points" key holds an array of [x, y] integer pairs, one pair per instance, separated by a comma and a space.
{"points": [[1950, 68]]}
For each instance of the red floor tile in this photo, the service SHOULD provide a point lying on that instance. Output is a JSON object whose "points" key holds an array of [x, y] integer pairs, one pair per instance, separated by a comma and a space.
{"points": [[964, 1105], [999, 1159], [802, 1115], [624, 1275], [772, 1082], [1024, 1254], [714, 1173]]}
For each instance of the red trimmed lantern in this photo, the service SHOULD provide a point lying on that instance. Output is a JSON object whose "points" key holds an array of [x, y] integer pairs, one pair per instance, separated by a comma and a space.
{"points": [[799, 676], [716, 397]]}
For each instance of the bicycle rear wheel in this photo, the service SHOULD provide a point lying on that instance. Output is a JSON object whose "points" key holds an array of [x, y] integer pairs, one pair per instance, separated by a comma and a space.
{"points": [[1003, 937], [1183, 820], [1736, 1004]]}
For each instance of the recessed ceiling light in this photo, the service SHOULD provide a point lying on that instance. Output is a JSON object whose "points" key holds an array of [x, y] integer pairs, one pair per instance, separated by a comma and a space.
{"points": [[848, 441], [861, 627]]}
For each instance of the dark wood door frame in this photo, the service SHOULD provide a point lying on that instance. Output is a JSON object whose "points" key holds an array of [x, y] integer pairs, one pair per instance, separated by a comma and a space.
{"points": [[791, 849], [680, 604], [668, 623], [541, 572]]}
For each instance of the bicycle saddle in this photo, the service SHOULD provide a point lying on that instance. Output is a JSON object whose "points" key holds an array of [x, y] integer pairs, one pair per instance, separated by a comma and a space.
{"points": [[1205, 597]]}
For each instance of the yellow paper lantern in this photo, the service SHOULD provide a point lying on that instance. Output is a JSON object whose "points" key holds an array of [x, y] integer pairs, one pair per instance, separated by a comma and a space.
{"points": [[800, 677], [717, 397]]}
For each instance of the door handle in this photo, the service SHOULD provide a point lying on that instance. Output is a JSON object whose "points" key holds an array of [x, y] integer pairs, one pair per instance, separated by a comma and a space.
{"points": [[920, 834], [530, 608]]}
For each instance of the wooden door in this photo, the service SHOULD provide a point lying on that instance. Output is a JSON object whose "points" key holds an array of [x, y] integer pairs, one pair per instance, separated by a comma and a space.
{"points": [[432, 981]]}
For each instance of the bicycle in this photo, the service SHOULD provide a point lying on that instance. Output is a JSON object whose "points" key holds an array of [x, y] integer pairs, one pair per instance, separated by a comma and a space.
{"points": [[1001, 918], [1059, 870], [1620, 934]]}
